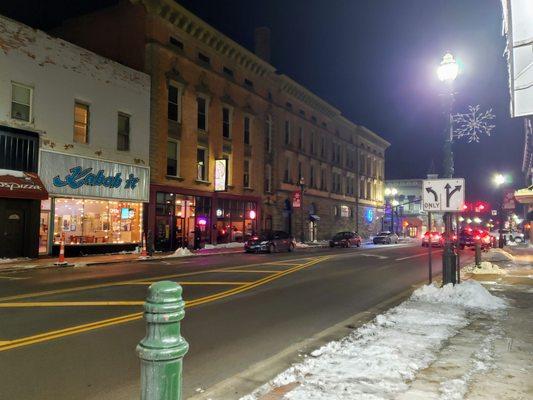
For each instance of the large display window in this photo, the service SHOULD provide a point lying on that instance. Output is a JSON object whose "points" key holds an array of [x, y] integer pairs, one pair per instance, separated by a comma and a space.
{"points": [[236, 220], [87, 221]]}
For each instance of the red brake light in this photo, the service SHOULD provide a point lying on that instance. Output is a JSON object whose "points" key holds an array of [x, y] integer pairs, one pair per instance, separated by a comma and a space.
{"points": [[255, 238]]}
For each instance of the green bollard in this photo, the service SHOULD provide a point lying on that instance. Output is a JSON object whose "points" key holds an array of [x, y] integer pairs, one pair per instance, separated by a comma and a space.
{"points": [[162, 349], [478, 254]]}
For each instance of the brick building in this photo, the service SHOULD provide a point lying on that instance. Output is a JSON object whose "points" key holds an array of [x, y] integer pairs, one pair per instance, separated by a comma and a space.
{"points": [[213, 100]]}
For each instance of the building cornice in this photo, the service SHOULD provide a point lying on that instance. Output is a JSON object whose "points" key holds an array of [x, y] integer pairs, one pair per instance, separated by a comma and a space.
{"points": [[194, 27], [294, 89], [367, 134]]}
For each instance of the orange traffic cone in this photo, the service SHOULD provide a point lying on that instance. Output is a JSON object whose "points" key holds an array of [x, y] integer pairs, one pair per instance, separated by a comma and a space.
{"points": [[61, 259], [144, 253]]}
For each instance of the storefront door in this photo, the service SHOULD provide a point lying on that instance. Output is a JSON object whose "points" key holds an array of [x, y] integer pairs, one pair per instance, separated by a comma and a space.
{"points": [[12, 219]]}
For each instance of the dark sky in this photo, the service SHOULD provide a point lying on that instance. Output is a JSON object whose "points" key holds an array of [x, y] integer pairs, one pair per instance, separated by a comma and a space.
{"points": [[375, 60]]}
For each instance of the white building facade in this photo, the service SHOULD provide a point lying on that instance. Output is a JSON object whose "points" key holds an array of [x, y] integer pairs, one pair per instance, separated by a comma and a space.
{"points": [[77, 124]]}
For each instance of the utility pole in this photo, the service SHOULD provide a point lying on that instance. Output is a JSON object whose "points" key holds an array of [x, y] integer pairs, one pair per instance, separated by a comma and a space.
{"points": [[301, 183]]}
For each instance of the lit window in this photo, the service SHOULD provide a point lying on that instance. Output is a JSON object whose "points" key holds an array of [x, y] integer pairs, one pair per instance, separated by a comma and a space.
{"points": [[21, 97], [246, 177], [201, 164], [81, 123]]}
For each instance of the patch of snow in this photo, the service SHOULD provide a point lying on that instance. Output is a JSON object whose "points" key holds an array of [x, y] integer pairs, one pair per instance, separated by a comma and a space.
{"points": [[12, 260], [181, 252], [378, 360], [11, 172], [498, 255], [485, 267], [300, 245], [230, 245]]}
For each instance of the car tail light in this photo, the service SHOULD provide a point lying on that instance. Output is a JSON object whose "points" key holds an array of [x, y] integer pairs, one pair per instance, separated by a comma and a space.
{"points": [[255, 238], [477, 237]]}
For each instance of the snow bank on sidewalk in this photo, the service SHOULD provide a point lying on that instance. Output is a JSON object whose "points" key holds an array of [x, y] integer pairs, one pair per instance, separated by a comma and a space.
{"points": [[378, 360], [180, 252], [230, 245], [485, 267], [498, 255]]}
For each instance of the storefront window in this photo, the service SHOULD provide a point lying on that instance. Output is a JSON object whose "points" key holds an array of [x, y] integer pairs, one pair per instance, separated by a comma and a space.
{"points": [[84, 221], [44, 226], [236, 220]]}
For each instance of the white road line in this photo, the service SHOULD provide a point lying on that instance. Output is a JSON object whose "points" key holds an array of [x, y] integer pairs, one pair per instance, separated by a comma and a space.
{"points": [[416, 255], [373, 255]]}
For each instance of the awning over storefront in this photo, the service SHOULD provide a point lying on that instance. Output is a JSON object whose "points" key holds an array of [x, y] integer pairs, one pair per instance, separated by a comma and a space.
{"points": [[21, 185], [525, 195]]}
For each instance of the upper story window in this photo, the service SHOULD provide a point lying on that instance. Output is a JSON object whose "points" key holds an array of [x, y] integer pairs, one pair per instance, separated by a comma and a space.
{"points": [[228, 72], [21, 100], [201, 104], [288, 105], [123, 132], [246, 130], [204, 59], [174, 106], [18, 150], [313, 119], [173, 157], [81, 122], [323, 146], [249, 83], [226, 122], [246, 173], [300, 138], [175, 42], [287, 132], [268, 178], [201, 164], [268, 134]]}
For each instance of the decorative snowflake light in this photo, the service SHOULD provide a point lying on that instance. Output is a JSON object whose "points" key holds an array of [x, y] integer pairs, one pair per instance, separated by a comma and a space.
{"points": [[474, 124]]}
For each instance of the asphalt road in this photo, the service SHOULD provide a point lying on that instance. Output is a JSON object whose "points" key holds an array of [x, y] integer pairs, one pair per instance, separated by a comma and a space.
{"points": [[71, 333]]}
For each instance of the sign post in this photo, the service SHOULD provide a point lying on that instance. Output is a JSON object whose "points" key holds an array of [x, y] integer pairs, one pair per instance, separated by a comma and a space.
{"points": [[445, 195]]}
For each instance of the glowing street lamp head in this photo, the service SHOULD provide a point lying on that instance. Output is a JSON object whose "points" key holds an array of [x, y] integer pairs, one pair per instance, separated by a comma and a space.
{"points": [[395, 203], [448, 69], [499, 179]]}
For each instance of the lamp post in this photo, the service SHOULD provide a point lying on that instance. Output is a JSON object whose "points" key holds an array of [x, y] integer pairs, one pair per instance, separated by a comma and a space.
{"points": [[499, 180], [301, 183], [447, 72], [391, 193]]}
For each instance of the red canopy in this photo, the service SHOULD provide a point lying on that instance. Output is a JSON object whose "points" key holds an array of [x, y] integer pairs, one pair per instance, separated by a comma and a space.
{"points": [[21, 185]]}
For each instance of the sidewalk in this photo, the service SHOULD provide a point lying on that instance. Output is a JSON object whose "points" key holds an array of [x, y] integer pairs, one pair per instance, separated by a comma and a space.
{"points": [[47, 262], [472, 341]]}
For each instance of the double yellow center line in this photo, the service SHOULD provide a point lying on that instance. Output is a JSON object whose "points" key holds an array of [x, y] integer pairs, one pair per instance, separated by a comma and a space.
{"points": [[25, 341]]}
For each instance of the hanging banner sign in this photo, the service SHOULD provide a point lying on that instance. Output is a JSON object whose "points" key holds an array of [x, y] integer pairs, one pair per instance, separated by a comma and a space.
{"points": [[221, 173], [65, 174], [296, 199]]}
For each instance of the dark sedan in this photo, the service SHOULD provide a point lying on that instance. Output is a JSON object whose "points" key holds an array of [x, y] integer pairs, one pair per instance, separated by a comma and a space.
{"points": [[386, 237], [345, 239], [270, 242]]}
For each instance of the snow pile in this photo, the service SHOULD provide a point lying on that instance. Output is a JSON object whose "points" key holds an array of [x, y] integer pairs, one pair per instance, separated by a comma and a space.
{"points": [[12, 260], [230, 245], [469, 294], [300, 245], [498, 255], [378, 360], [485, 267], [181, 252]]}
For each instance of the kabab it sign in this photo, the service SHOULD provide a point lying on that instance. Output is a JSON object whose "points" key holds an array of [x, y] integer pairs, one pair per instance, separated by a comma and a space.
{"points": [[65, 174]]}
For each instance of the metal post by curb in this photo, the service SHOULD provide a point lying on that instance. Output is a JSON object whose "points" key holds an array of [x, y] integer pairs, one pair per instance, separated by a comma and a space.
{"points": [[478, 254], [162, 349]]}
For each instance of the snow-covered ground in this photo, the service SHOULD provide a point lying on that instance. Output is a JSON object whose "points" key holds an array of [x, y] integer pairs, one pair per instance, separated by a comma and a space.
{"points": [[378, 360], [180, 252], [230, 245], [486, 267]]}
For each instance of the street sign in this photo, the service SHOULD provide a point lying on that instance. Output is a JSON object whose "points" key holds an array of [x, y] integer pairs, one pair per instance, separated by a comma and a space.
{"points": [[443, 194], [508, 200], [296, 199]]}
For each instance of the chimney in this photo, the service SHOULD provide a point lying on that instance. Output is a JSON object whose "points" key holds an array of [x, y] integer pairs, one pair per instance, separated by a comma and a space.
{"points": [[262, 43]]}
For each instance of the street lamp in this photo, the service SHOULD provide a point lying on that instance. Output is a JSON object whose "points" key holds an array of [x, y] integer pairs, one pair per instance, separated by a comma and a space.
{"points": [[447, 72], [301, 183], [391, 192], [500, 180]]}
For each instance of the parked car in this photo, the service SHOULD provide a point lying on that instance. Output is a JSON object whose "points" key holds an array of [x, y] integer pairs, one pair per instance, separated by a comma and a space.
{"points": [[270, 242], [345, 239], [468, 238], [437, 239], [386, 237], [509, 236]]}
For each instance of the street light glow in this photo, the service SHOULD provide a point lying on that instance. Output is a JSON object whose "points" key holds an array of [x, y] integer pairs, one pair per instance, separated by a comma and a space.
{"points": [[391, 191], [395, 203], [499, 179], [448, 68]]}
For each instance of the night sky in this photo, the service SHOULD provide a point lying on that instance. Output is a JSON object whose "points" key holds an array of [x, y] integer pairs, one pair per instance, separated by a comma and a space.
{"points": [[375, 60]]}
